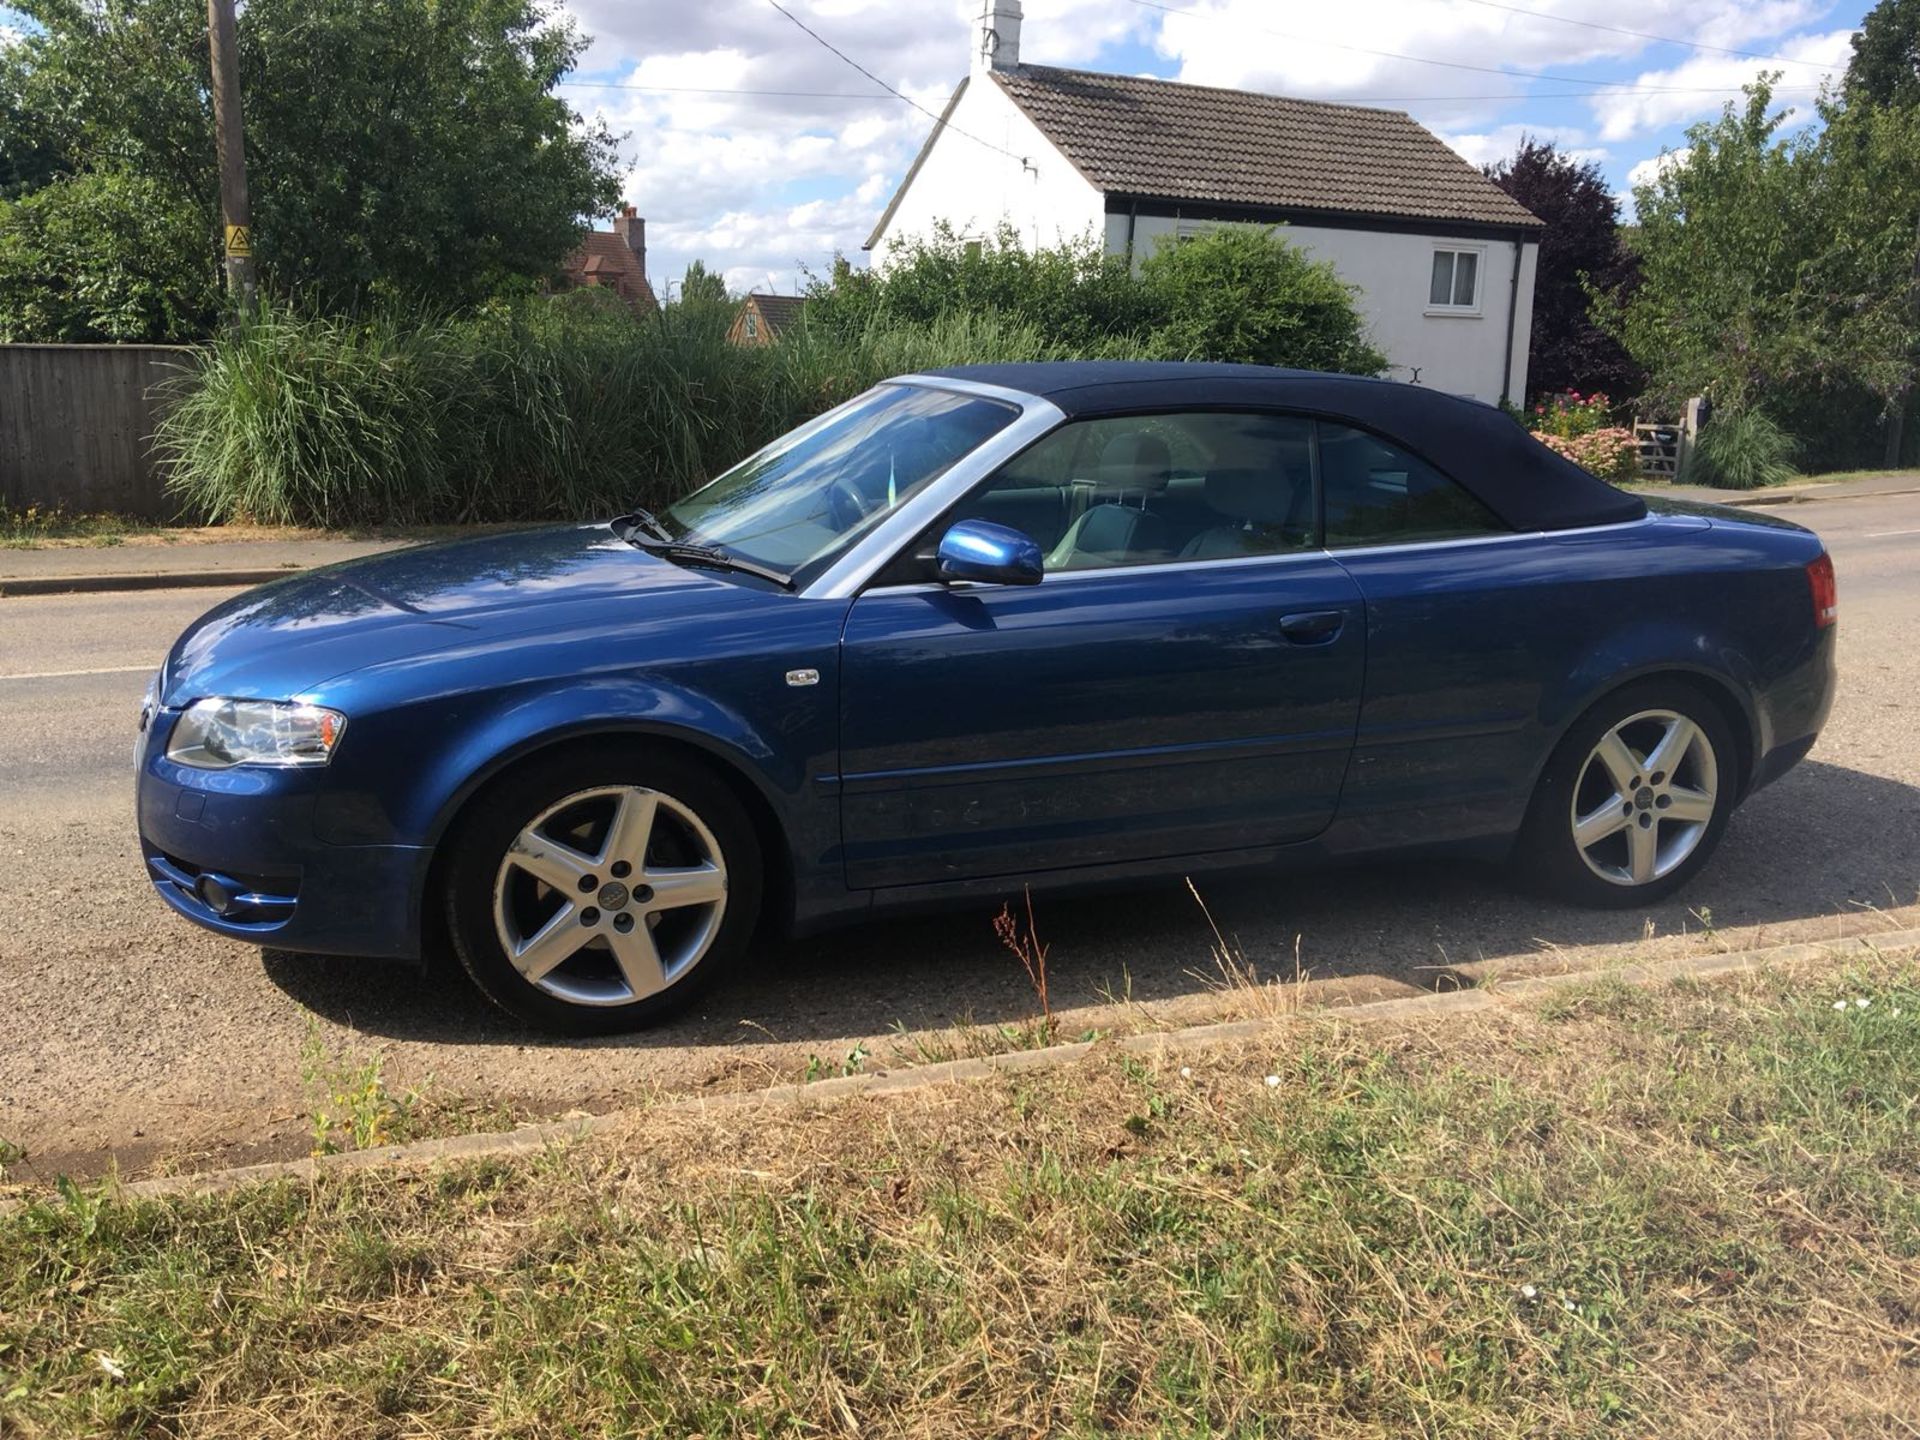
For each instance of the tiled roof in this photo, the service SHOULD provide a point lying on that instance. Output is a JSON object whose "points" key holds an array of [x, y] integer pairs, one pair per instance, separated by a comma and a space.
{"points": [[779, 311], [611, 262], [1163, 140]]}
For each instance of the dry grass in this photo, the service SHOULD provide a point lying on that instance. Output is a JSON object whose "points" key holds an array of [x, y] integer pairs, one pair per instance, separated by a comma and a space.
{"points": [[1687, 1211], [37, 526]]}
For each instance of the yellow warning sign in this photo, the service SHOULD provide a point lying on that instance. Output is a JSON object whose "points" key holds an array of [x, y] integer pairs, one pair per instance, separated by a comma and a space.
{"points": [[240, 240]]}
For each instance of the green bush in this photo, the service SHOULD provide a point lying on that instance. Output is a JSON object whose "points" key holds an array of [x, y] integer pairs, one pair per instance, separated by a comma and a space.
{"points": [[563, 408], [1238, 293], [1742, 451], [1241, 293], [323, 421], [542, 410], [108, 256], [1074, 292]]}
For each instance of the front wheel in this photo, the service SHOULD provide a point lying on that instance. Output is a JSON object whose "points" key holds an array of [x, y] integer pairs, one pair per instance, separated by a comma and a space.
{"points": [[600, 890], [1635, 798]]}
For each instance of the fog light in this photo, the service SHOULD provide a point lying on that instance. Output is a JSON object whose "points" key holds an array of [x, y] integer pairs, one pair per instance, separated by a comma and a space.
{"points": [[217, 896]]}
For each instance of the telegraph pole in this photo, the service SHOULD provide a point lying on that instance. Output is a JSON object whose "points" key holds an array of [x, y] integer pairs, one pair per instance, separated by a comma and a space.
{"points": [[236, 217]]}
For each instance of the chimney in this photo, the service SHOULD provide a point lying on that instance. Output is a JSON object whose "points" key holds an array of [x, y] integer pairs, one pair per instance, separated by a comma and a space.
{"points": [[997, 39], [632, 228]]}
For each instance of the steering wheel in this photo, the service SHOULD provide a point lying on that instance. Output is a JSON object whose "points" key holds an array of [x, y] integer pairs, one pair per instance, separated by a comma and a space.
{"points": [[846, 506]]}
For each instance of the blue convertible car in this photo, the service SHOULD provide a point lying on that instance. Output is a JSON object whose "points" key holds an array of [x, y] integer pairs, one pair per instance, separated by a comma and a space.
{"points": [[974, 630]]}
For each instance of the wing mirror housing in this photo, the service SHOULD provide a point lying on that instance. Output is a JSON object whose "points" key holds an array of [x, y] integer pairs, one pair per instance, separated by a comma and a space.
{"points": [[988, 554]]}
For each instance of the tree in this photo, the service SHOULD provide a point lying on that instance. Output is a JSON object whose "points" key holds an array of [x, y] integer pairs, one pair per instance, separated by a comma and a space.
{"points": [[1864, 280], [1778, 274], [1579, 250], [397, 150], [1723, 232], [1885, 69], [702, 286], [104, 256], [1242, 293], [27, 158]]}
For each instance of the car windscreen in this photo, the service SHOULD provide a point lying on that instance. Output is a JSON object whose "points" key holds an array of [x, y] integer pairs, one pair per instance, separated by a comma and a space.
{"points": [[812, 493]]}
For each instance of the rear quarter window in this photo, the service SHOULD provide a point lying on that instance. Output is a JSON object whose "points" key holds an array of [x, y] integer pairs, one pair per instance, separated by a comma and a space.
{"points": [[1378, 494]]}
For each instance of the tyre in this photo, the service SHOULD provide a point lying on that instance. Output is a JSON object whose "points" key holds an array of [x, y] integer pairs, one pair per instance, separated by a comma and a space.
{"points": [[1634, 799], [601, 890]]}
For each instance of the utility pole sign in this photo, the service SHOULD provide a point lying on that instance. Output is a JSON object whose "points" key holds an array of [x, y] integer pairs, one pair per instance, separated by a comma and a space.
{"points": [[242, 284]]}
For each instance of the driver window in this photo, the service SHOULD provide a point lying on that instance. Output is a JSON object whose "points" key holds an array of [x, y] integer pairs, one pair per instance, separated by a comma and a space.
{"points": [[1157, 489]]}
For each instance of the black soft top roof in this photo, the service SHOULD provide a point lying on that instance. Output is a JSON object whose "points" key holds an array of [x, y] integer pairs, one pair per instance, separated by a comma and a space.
{"points": [[1519, 479]]}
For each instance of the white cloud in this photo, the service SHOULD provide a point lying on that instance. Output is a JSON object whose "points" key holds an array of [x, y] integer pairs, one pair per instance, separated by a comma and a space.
{"points": [[1365, 50], [1668, 97], [1499, 143], [1653, 167]]}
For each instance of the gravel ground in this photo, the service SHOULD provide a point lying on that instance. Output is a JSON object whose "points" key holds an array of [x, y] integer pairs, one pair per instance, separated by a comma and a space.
{"points": [[132, 1038]]}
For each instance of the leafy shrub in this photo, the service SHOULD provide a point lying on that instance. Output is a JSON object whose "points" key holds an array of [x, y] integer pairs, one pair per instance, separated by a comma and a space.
{"points": [[1609, 452], [540, 410], [1242, 293], [574, 406], [1581, 428], [1073, 292], [1743, 450], [104, 257], [1570, 414], [1239, 293]]}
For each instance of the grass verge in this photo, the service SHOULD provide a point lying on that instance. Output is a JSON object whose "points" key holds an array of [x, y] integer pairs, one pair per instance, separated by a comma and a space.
{"points": [[35, 526], [1692, 1210]]}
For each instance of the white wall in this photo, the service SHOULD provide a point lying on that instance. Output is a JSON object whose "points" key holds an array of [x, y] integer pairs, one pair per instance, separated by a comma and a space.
{"points": [[974, 188], [1461, 354]]}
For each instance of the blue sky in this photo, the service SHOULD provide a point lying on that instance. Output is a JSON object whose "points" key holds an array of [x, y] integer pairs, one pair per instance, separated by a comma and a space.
{"points": [[766, 185]]}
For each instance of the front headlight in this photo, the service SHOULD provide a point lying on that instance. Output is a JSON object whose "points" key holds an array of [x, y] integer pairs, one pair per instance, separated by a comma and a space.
{"points": [[220, 733]]}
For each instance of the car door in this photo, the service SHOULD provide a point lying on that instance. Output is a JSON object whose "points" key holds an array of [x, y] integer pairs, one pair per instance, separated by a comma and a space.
{"points": [[1186, 678], [1468, 623]]}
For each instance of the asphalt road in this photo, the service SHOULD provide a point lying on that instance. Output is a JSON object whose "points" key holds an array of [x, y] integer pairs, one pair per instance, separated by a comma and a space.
{"points": [[128, 1034]]}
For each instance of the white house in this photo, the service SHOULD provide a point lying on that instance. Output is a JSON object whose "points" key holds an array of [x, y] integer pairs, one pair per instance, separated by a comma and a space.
{"points": [[1443, 258]]}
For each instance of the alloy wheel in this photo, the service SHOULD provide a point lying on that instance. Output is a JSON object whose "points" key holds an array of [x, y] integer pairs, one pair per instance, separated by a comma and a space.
{"points": [[1645, 797], [610, 895]]}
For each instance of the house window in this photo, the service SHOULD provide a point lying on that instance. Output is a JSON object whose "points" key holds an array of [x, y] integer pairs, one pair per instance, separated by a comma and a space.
{"points": [[752, 325], [1455, 284]]}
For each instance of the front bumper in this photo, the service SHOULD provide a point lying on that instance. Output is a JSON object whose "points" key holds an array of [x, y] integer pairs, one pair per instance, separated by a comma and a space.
{"points": [[235, 851]]}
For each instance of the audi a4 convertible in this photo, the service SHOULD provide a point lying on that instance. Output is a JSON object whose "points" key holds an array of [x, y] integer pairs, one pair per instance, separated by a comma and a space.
{"points": [[978, 630]]}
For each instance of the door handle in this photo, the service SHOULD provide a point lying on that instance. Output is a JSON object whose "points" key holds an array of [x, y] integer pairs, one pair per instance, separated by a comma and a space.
{"points": [[1313, 627]]}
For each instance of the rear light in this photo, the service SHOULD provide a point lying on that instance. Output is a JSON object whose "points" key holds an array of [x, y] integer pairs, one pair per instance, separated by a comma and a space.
{"points": [[1826, 595]]}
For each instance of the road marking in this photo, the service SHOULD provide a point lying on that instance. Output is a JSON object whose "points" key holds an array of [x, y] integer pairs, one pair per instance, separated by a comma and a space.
{"points": [[1888, 534], [69, 674]]}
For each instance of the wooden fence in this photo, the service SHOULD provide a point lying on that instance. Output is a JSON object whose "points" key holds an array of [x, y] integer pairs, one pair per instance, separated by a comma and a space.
{"points": [[76, 427]]}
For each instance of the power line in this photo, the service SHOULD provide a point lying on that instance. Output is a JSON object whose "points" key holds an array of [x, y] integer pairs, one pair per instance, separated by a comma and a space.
{"points": [[1412, 59], [1646, 35], [729, 90], [1619, 88], [829, 46]]}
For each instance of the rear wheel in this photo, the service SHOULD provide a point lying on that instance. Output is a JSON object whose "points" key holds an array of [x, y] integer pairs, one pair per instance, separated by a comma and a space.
{"points": [[1635, 799], [601, 890]]}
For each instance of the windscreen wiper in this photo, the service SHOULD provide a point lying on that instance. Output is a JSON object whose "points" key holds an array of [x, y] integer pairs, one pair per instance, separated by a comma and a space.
{"points": [[718, 559], [643, 519]]}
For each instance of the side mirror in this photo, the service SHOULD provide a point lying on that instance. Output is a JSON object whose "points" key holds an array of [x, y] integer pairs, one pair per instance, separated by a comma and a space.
{"points": [[988, 554]]}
